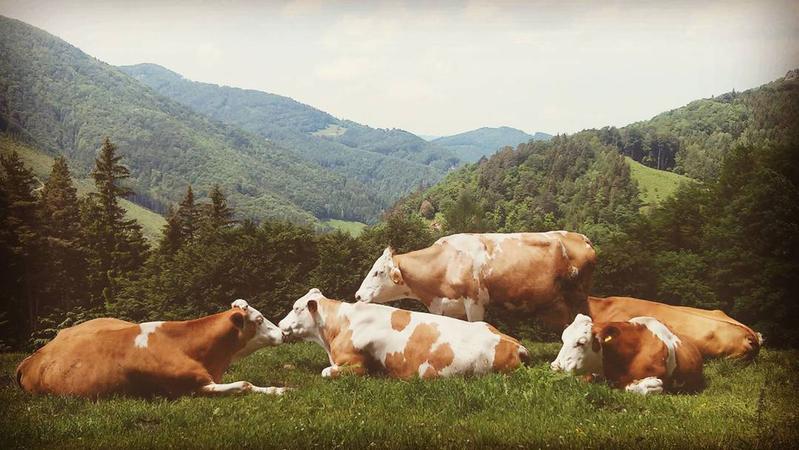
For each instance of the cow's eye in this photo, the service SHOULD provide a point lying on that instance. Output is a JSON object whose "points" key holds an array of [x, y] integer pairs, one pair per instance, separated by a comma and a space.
{"points": [[374, 274]]}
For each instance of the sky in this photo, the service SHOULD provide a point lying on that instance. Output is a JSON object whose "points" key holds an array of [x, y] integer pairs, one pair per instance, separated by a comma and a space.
{"points": [[440, 68]]}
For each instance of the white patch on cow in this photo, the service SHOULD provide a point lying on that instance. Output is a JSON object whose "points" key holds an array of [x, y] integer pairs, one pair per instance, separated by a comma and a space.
{"points": [[664, 334], [146, 329], [238, 387], [646, 386]]}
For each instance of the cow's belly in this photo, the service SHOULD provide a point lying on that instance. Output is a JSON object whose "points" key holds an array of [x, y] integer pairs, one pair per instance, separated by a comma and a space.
{"points": [[449, 307]]}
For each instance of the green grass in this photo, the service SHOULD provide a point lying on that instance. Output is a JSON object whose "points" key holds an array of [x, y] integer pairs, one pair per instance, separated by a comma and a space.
{"points": [[331, 130], [744, 406], [654, 185], [351, 227], [41, 164]]}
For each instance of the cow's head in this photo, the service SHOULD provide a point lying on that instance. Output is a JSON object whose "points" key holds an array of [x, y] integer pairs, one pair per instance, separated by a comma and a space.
{"points": [[255, 330], [384, 281], [582, 351], [303, 321]]}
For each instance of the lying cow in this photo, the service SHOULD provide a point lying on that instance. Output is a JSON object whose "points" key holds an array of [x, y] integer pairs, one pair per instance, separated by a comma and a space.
{"points": [[103, 357], [640, 355], [361, 338], [713, 332], [546, 274]]}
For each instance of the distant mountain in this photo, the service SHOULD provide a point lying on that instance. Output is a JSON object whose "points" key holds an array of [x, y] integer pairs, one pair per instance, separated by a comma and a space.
{"points": [[473, 145], [65, 101], [390, 162]]}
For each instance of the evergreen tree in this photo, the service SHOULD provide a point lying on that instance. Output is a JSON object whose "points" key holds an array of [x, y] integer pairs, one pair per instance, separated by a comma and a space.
{"points": [[219, 214], [21, 241], [117, 245], [60, 227], [187, 216], [171, 239]]}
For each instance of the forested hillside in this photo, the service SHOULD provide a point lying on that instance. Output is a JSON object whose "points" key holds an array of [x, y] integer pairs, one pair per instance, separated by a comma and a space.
{"points": [[694, 140], [390, 163], [727, 242], [473, 145], [65, 102]]}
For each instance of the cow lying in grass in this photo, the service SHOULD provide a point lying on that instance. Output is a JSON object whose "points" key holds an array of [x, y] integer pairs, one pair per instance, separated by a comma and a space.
{"points": [[714, 333], [640, 355], [104, 357], [365, 338]]}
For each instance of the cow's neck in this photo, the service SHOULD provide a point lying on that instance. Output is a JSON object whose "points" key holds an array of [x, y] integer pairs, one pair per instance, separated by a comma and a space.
{"points": [[421, 272], [211, 341]]}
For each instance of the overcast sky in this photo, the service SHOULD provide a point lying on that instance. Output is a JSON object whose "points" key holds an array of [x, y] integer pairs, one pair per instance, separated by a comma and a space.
{"points": [[442, 68]]}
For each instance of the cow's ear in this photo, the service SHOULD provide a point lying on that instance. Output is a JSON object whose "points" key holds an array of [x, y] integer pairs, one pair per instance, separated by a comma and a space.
{"points": [[396, 275], [312, 307], [608, 334], [238, 320]]}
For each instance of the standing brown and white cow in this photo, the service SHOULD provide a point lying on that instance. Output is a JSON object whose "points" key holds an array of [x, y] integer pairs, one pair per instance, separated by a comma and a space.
{"points": [[546, 274], [715, 333], [640, 355], [104, 357], [360, 338]]}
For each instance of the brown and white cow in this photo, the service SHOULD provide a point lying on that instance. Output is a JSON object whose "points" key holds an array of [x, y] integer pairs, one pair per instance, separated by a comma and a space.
{"points": [[363, 338], [640, 355], [715, 334], [104, 357], [546, 274]]}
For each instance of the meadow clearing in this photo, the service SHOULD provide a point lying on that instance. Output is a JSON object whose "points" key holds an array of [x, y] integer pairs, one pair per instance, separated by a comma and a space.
{"points": [[744, 406]]}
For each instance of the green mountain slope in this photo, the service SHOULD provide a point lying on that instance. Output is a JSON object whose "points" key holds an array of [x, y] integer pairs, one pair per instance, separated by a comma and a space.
{"points": [[389, 162], [585, 182], [694, 139], [41, 164], [473, 145], [66, 102]]}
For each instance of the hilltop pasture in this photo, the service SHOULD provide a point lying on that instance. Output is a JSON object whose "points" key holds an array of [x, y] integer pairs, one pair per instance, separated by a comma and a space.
{"points": [[744, 406]]}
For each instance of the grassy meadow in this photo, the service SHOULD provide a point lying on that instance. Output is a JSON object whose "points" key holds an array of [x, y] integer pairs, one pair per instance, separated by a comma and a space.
{"points": [[654, 185], [744, 406], [353, 228]]}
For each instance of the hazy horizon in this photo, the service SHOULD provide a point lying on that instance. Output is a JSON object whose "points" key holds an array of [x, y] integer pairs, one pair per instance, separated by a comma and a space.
{"points": [[450, 67]]}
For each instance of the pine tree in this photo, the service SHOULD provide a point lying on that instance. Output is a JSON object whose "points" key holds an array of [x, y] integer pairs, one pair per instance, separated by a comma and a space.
{"points": [[219, 214], [187, 216], [60, 228], [171, 239], [21, 240], [117, 245]]}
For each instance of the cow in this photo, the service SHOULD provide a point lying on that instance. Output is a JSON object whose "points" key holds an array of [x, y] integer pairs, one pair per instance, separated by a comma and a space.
{"points": [[546, 274], [106, 356], [362, 338], [715, 333], [640, 355]]}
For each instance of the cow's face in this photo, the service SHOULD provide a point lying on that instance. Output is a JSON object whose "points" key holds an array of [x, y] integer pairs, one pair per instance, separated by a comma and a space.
{"points": [[302, 322], [256, 330], [581, 351], [384, 281]]}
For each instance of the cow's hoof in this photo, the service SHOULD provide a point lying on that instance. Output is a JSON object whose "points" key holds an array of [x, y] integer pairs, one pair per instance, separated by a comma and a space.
{"points": [[647, 386], [327, 372]]}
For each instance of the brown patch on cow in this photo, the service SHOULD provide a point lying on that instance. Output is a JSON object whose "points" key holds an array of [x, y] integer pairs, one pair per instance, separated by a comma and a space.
{"points": [[400, 319], [441, 357], [417, 351], [506, 353], [429, 373]]}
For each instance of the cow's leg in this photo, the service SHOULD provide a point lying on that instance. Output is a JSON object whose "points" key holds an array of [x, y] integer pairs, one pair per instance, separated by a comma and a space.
{"points": [[475, 312], [646, 386], [239, 387], [336, 371]]}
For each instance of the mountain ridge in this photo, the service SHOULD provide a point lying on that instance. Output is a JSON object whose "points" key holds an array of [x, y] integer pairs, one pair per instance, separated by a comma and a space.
{"points": [[474, 144]]}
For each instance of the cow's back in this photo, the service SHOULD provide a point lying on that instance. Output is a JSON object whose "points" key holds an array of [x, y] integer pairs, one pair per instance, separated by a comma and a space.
{"points": [[714, 333], [524, 270], [85, 360]]}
